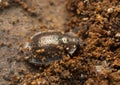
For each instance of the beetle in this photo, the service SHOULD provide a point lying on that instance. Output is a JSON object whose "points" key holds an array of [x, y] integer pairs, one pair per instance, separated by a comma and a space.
{"points": [[47, 47]]}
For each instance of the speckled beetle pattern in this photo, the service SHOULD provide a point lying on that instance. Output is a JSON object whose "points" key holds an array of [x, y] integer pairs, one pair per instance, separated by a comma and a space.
{"points": [[47, 47]]}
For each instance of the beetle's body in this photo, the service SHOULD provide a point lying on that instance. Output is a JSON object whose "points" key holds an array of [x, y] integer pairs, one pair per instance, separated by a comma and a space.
{"points": [[48, 47]]}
